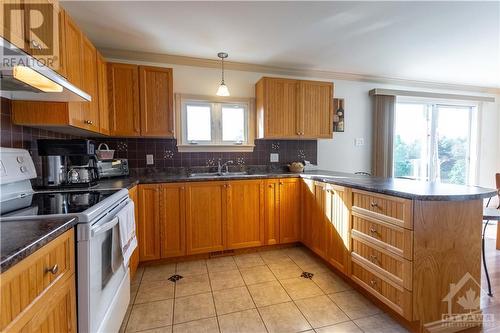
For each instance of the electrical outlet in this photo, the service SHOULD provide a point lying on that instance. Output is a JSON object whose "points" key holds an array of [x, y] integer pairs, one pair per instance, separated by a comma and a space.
{"points": [[274, 157], [149, 159], [359, 142]]}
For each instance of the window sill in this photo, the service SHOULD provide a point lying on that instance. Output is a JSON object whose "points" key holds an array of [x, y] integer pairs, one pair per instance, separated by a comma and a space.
{"points": [[215, 148]]}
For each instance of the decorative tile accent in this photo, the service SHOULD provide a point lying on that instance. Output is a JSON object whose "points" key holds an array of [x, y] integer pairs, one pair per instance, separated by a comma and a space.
{"points": [[168, 154], [174, 278], [307, 275], [121, 146]]}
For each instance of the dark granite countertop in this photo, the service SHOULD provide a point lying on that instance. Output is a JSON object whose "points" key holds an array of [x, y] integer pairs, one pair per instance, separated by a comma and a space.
{"points": [[21, 238], [404, 188]]}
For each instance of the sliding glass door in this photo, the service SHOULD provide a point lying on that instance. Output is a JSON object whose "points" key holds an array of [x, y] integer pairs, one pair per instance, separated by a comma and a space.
{"points": [[434, 142]]}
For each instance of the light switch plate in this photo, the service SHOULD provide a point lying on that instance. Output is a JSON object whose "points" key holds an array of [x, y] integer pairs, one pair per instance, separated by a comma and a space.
{"points": [[359, 142], [274, 157], [149, 159]]}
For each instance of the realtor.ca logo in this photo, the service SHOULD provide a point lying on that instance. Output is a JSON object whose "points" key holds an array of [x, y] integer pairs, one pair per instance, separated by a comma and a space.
{"points": [[33, 27], [463, 303]]}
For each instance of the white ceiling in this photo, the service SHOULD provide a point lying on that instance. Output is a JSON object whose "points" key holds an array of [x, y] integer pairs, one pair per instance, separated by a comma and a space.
{"points": [[449, 42]]}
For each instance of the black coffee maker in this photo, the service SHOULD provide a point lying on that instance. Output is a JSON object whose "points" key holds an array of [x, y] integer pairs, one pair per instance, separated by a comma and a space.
{"points": [[68, 163]]}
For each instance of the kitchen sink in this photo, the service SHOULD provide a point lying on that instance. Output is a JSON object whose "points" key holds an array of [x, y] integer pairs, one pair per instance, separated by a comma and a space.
{"points": [[216, 174]]}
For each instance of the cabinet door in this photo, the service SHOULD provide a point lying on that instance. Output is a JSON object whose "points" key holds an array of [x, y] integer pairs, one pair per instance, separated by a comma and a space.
{"points": [[338, 243], [272, 212], [123, 95], [205, 217], [280, 108], [290, 210], [309, 205], [149, 222], [55, 312], [245, 214], [42, 34], [102, 85], [173, 220], [13, 22], [315, 109], [90, 110], [73, 51], [157, 113], [320, 219], [134, 259]]}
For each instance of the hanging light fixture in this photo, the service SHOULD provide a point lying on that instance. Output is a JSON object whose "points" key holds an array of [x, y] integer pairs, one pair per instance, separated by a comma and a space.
{"points": [[223, 90]]}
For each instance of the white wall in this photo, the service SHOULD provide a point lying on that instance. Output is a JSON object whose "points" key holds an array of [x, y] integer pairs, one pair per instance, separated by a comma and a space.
{"points": [[339, 153]]}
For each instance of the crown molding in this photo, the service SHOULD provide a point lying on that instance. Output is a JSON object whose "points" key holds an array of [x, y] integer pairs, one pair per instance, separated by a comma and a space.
{"points": [[138, 56]]}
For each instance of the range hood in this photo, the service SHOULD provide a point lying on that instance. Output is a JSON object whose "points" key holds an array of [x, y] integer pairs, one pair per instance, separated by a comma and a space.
{"points": [[23, 77]]}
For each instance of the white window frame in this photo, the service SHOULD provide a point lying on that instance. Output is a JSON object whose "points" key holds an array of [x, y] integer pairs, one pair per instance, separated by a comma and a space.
{"points": [[473, 135], [216, 104]]}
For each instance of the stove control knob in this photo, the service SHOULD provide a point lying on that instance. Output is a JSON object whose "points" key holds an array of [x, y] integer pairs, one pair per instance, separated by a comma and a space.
{"points": [[20, 159], [23, 169]]}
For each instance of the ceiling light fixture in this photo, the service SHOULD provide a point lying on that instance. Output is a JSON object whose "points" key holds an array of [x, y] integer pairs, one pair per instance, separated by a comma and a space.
{"points": [[223, 90]]}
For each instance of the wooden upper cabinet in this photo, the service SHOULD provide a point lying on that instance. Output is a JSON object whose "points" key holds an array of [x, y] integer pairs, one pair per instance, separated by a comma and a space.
{"points": [[315, 109], [276, 101], [205, 217], [173, 220], [291, 109], [290, 210], [156, 89], [149, 222], [102, 85], [14, 23], [245, 216], [123, 95], [73, 51], [90, 110]]}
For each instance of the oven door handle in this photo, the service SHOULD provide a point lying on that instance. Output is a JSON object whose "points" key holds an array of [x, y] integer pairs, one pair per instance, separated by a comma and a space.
{"points": [[105, 227]]}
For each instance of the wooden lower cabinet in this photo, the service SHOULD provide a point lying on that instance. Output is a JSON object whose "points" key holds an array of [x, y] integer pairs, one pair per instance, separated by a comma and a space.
{"points": [[34, 299], [134, 259], [272, 212], [289, 209], [321, 218], [172, 220], [245, 218], [308, 207], [338, 246], [149, 222], [205, 217]]}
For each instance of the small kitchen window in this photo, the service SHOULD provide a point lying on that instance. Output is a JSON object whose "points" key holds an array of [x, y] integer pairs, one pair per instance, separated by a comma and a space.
{"points": [[214, 124]]}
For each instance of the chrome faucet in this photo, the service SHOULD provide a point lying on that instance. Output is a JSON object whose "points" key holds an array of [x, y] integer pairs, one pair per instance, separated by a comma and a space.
{"points": [[224, 165]]}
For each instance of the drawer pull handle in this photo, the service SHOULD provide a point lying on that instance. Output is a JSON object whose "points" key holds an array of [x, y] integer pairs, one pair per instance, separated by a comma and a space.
{"points": [[54, 269], [374, 259], [373, 283], [374, 204], [373, 230]]}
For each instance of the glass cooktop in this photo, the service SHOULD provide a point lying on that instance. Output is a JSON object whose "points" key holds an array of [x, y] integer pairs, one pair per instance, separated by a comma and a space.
{"points": [[51, 203]]}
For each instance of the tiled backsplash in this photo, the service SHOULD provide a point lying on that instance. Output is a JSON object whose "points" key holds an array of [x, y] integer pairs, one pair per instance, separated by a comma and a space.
{"points": [[164, 151]]}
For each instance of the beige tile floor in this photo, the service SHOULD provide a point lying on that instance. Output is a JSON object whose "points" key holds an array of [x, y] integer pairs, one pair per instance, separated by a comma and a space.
{"points": [[250, 293]]}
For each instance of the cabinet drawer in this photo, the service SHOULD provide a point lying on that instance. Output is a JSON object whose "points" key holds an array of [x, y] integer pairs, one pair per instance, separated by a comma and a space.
{"points": [[386, 263], [394, 296], [30, 278], [394, 210], [385, 235]]}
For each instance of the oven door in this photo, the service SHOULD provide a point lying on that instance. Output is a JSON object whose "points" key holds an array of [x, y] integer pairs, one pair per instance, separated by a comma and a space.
{"points": [[104, 274]]}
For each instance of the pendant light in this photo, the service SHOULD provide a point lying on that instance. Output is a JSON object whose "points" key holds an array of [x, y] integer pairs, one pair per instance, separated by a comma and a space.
{"points": [[223, 90]]}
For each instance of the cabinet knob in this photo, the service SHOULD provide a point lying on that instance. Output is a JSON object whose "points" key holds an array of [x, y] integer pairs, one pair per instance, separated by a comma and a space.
{"points": [[281, 183], [270, 186], [88, 122], [54, 269], [373, 283], [373, 230], [36, 44], [374, 204], [374, 259]]}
